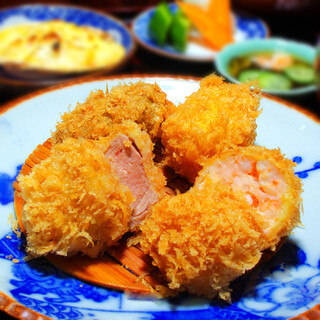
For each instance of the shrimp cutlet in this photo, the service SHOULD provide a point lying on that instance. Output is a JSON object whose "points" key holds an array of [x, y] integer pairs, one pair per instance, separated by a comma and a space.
{"points": [[216, 117], [266, 179], [242, 203], [88, 193], [144, 103]]}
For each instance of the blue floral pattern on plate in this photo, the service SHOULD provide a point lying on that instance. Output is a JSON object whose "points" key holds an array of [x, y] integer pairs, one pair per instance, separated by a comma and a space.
{"points": [[44, 288], [283, 287], [245, 28], [305, 173]]}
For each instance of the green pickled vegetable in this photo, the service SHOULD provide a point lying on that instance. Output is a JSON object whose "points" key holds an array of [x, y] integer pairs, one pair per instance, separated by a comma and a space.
{"points": [[179, 31], [268, 80], [274, 81], [300, 74], [250, 75], [160, 23], [239, 64]]}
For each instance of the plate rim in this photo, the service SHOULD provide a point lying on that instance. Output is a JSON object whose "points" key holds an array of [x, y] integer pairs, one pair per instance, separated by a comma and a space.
{"points": [[16, 82], [17, 310], [178, 56]]}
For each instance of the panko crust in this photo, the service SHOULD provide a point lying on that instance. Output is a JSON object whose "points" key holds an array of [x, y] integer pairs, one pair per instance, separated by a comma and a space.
{"points": [[288, 216], [207, 237], [143, 103], [218, 116], [74, 202], [203, 240]]}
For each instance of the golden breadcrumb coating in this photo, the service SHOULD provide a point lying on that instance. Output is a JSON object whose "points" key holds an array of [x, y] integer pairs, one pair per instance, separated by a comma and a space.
{"points": [[244, 201], [267, 180], [143, 103], [203, 239], [216, 117], [74, 201]]}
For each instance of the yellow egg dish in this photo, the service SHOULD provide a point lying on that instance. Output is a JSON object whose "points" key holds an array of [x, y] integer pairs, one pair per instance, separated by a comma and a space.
{"points": [[58, 46]]}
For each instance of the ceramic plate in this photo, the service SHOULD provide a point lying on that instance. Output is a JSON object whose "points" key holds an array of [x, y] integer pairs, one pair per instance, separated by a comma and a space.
{"points": [[78, 15], [244, 28], [286, 286]]}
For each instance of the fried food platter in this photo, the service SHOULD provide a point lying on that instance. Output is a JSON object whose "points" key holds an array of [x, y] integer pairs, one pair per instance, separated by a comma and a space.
{"points": [[297, 254]]}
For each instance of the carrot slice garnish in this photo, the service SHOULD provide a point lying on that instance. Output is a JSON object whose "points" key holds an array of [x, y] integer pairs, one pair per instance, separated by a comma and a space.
{"points": [[216, 35], [220, 11]]}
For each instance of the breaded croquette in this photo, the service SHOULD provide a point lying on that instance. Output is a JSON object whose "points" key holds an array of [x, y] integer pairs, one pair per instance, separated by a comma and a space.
{"points": [[82, 197], [143, 103], [267, 181], [243, 202], [216, 117], [203, 239]]}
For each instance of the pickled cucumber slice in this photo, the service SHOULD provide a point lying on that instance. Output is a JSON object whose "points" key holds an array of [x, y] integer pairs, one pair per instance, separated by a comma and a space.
{"points": [[300, 74], [274, 81], [179, 31], [249, 75], [160, 23]]}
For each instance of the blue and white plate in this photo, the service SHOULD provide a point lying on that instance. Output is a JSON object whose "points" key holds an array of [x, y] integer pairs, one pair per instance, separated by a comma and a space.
{"points": [[245, 28], [286, 286], [80, 16]]}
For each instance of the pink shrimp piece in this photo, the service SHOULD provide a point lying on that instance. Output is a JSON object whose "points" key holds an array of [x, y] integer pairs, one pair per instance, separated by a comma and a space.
{"points": [[267, 181]]}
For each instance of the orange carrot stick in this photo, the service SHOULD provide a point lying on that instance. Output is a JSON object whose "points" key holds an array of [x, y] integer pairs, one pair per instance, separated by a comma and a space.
{"points": [[215, 34], [220, 11]]}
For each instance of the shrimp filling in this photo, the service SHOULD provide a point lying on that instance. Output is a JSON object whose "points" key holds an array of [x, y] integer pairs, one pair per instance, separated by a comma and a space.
{"points": [[261, 182]]}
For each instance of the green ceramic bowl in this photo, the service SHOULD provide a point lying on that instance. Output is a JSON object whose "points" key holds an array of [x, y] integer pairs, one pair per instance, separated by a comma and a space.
{"points": [[299, 50]]}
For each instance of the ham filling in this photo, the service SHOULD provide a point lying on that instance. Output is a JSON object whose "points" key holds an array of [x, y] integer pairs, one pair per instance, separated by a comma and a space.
{"points": [[127, 163]]}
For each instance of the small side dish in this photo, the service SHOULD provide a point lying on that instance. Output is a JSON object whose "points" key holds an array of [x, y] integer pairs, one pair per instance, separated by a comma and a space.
{"points": [[275, 70], [46, 44], [194, 31], [277, 65], [58, 46], [211, 19]]}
